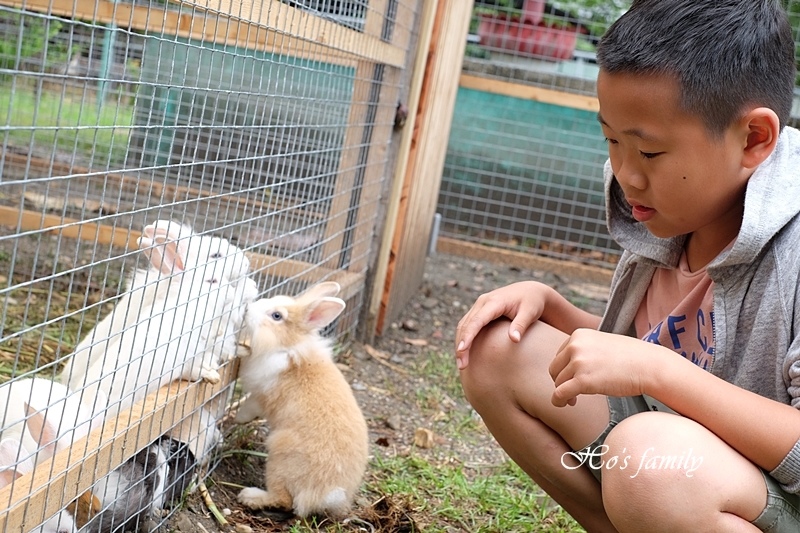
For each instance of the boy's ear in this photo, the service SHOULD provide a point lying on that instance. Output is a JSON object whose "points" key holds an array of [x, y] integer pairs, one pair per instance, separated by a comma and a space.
{"points": [[762, 128]]}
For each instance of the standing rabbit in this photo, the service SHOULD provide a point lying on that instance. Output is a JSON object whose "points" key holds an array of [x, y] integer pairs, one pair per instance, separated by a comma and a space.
{"points": [[317, 443], [178, 320]]}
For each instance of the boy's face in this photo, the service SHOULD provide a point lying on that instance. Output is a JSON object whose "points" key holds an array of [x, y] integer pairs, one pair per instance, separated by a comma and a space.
{"points": [[677, 177]]}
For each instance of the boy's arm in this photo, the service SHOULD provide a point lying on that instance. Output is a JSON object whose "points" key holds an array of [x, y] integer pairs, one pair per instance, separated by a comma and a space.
{"points": [[523, 303], [763, 430]]}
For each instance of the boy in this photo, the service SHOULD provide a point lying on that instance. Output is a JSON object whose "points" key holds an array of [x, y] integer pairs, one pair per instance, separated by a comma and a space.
{"points": [[701, 193]]}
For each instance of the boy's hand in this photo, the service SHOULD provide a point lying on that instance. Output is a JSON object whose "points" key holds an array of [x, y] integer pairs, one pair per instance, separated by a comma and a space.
{"points": [[594, 362], [521, 302]]}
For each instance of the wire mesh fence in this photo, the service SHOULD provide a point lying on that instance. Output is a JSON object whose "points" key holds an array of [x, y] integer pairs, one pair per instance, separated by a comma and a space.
{"points": [[525, 155], [162, 164]]}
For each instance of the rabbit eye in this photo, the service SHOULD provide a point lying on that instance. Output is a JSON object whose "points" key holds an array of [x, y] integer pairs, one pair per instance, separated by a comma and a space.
{"points": [[216, 255], [276, 316], [212, 281]]}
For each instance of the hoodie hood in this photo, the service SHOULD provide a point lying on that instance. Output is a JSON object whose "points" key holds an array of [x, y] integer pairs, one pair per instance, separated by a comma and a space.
{"points": [[772, 199]]}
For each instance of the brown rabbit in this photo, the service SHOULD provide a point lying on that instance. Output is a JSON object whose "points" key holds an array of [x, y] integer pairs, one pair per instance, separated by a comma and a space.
{"points": [[317, 440]]}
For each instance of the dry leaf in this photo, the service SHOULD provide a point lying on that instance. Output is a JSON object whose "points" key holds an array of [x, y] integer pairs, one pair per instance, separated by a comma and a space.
{"points": [[374, 352], [53, 203], [423, 438], [416, 342]]}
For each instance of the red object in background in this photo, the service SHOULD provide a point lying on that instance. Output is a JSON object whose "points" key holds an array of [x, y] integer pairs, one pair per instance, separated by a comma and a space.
{"points": [[528, 34]]}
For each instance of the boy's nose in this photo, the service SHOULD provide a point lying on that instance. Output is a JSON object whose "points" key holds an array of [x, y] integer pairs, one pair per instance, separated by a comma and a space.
{"points": [[629, 174]]}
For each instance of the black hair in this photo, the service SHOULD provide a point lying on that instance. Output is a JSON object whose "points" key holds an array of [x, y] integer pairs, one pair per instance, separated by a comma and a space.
{"points": [[728, 55]]}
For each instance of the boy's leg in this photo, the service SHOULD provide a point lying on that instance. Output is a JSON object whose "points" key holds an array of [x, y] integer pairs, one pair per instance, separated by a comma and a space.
{"points": [[681, 477], [509, 385]]}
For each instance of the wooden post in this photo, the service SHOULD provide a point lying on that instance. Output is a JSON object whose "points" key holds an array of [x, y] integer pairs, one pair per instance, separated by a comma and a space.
{"points": [[417, 182], [372, 108]]}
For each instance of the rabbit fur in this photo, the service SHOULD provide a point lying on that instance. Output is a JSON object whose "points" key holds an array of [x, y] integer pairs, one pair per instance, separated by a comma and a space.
{"points": [[155, 478], [15, 462], [45, 416], [41, 418], [178, 320], [317, 444]]}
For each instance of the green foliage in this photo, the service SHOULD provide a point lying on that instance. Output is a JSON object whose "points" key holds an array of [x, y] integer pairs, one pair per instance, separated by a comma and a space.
{"points": [[72, 126], [793, 10], [35, 39], [596, 15]]}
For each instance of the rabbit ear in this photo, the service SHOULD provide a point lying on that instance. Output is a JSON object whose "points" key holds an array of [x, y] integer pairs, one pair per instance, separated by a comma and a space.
{"points": [[323, 311], [10, 450], [42, 430], [162, 244], [320, 290]]}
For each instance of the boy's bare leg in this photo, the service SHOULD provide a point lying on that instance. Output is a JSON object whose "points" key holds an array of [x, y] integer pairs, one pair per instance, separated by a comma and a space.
{"points": [[510, 387], [681, 477]]}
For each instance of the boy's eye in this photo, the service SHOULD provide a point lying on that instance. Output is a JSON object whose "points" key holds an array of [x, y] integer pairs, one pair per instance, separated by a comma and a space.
{"points": [[609, 141], [650, 155]]}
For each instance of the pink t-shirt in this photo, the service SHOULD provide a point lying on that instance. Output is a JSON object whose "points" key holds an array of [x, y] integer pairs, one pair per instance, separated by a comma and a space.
{"points": [[678, 313]]}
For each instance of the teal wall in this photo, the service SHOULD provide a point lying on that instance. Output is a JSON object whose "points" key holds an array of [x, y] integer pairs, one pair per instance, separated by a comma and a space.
{"points": [[524, 172]]}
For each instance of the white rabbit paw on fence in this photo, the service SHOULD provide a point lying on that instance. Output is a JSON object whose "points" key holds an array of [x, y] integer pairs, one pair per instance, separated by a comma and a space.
{"points": [[209, 375]]}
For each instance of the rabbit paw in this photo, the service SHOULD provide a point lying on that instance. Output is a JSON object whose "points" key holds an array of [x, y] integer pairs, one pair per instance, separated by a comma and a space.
{"points": [[243, 349], [255, 498], [248, 410], [209, 375]]}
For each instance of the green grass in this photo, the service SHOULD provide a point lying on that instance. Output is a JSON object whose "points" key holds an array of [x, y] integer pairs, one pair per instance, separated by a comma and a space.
{"points": [[441, 498], [65, 123], [449, 495]]}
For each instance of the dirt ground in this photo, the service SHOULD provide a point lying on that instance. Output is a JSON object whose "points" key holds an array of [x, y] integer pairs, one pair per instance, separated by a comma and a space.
{"points": [[387, 393]]}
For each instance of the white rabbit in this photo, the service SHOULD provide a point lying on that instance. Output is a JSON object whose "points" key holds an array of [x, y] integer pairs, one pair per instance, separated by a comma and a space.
{"points": [[15, 461], [177, 320], [317, 444], [45, 416]]}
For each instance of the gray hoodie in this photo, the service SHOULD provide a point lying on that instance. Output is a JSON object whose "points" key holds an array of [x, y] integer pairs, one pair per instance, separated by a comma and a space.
{"points": [[756, 284]]}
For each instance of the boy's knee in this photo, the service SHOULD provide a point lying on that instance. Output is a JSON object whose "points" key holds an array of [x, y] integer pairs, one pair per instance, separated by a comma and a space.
{"points": [[489, 360], [656, 463]]}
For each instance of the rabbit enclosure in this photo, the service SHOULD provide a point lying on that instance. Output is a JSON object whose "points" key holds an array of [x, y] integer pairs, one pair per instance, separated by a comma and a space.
{"points": [[255, 141]]}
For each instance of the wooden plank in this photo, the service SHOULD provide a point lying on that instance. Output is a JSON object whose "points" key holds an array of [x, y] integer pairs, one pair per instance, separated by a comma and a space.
{"points": [[348, 169], [528, 260], [56, 482], [373, 172], [25, 220], [377, 291], [306, 26], [354, 144], [527, 92], [352, 283], [375, 167], [420, 190], [332, 42], [165, 192]]}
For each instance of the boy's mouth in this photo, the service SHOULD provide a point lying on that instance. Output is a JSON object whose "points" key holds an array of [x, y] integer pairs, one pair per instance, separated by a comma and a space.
{"points": [[640, 212]]}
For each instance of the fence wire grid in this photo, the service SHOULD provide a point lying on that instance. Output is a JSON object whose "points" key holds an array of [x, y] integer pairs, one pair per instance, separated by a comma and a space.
{"points": [[162, 164], [525, 155]]}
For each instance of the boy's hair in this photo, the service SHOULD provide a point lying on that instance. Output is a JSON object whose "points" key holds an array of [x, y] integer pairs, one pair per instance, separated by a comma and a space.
{"points": [[728, 55]]}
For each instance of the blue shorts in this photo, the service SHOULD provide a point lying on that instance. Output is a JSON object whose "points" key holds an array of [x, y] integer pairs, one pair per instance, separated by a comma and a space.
{"points": [[782, 513]]}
